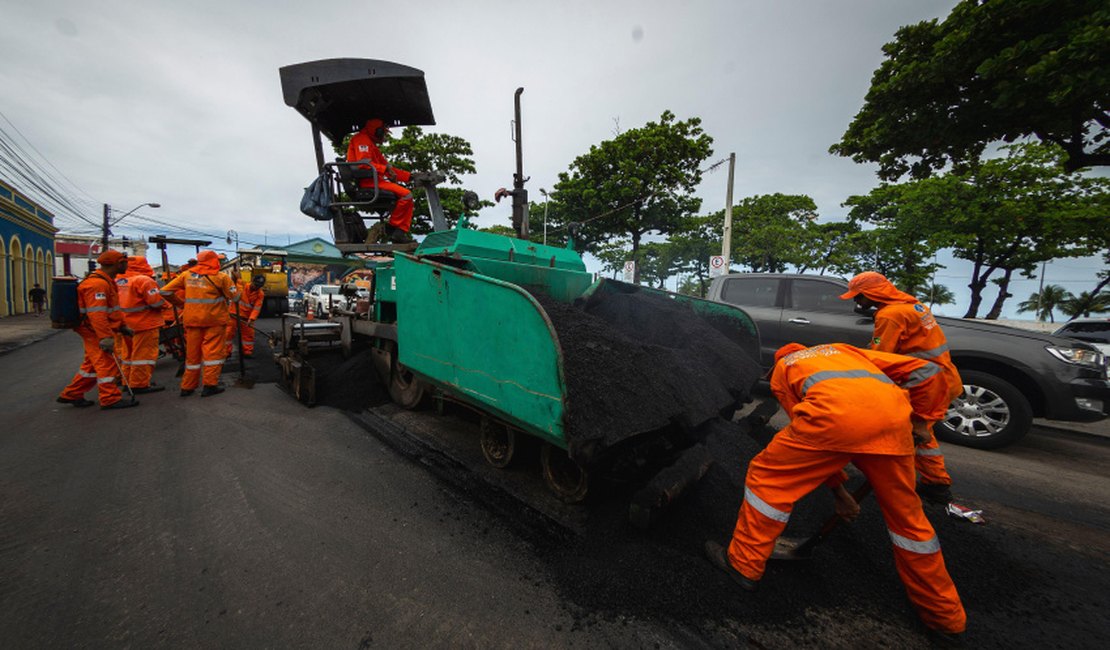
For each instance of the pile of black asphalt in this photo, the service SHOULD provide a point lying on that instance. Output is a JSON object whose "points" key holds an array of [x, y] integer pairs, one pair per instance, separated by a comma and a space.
{"points": [[636, 363]]}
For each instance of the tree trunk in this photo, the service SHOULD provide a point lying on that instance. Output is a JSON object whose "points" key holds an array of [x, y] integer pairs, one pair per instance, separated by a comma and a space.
{"points": [[976, 285], [1003, 294]]}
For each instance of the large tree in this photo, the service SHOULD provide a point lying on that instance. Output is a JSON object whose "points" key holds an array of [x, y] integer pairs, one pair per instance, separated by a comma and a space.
{"points": [[901, 240], [769, 231], [639, 183], [1010, 214], [416, 150], [992, 70]]}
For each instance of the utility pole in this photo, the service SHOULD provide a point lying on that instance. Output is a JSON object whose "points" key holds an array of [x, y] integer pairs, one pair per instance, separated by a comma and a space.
{"points": [[726, 245], [1040, 292], [105, 230]]}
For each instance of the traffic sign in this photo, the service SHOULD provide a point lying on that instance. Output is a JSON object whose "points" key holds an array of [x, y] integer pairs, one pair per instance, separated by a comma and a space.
{"points": [[716, 266]]}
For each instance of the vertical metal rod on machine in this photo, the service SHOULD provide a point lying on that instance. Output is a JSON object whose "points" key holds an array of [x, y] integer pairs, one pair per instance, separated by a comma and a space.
{"points": [[520, 195]]}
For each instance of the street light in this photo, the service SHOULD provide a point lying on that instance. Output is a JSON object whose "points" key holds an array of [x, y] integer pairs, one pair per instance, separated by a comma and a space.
{"points": [[107, 226], [545, 202], [233, 234]]}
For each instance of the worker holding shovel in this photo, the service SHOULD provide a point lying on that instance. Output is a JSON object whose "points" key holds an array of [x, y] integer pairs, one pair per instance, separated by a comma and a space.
{"points": [[849, 405]]}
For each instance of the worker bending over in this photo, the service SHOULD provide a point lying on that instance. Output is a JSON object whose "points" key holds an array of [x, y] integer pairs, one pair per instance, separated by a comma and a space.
{"points": [[208, 292], [141, 304], [905, 326], [98, 302], [848, 405], [244, 311], [364, 146]]}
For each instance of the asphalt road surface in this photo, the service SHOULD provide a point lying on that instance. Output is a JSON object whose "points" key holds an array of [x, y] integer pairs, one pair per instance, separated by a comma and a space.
{"points": [[247, 520]]}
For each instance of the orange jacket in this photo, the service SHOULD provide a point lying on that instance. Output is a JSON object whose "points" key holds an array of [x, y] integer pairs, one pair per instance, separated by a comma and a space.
{"points": [[911, 329], [842, 398], [98, 300], [208, 292], [362, 147], [139, 298], [249, 303]]}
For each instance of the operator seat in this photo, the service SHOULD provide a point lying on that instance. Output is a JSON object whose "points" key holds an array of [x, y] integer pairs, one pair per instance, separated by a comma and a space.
{"points": [[371, 201]]}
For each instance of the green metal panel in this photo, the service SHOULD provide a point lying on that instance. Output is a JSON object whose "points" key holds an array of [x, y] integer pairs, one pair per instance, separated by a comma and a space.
{"points": [[474, 244], [561, 284], [485, 340]]}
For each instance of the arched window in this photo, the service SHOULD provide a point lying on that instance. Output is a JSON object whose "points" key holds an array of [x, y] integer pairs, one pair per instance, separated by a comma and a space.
{"points": [[19, 275], [5, 285]]}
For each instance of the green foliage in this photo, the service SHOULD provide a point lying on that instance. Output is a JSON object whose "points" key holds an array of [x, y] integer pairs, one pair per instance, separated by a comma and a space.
{"points": [[698, 239], [1085, 304], [415, 150], [990, 71], [769, 231], [1045, 301], [936, 294], [640, 182], [903, 241], [1002, 215]]}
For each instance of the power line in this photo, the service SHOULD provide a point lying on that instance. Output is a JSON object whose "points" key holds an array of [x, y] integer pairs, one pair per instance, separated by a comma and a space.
{"points": [[32, 178]]}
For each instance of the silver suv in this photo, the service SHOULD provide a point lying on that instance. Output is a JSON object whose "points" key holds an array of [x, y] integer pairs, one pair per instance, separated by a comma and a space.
{"points": [[1010, 375]]}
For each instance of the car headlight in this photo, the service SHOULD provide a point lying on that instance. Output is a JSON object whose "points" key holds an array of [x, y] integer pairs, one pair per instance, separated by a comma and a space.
{"points": [[1078, 356]]}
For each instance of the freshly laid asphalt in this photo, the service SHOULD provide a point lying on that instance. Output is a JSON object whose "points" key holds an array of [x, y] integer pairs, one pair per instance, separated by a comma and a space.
{"points": [[246, 519]]}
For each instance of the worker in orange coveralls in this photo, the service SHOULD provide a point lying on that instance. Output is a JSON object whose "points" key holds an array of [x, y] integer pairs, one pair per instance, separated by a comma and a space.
{"points": [[98, 301], [364, 146], [848, 405], [141, 304], [208, 292], [905, 326], [247, 308]]}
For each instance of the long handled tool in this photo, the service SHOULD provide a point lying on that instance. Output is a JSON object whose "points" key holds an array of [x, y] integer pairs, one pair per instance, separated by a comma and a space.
{"points": [[794, 548], [123, 378]]}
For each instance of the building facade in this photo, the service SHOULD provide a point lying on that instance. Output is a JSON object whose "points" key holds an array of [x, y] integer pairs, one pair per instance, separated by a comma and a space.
{"points": [[26, 249]]}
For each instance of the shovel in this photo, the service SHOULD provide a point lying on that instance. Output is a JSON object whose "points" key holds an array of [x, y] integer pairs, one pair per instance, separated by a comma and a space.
{"points": [[126, 384], [800, 548]]}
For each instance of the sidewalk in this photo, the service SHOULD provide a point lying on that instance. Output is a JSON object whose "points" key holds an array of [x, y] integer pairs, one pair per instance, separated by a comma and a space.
{"points": [[24, 329]]}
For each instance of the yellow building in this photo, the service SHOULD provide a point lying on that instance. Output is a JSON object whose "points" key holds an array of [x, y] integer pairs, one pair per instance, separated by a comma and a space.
{"points": [[26, 249]]}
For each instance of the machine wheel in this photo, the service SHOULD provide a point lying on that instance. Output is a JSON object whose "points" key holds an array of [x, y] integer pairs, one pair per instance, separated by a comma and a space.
{"points": [[498, 443], [404, 388], [989, 414], [566, 478]]}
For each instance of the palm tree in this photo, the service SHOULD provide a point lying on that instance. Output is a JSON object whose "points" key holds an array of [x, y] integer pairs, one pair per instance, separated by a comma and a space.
{"points": [[1085, 304], [936, 294], [1043, 303]]}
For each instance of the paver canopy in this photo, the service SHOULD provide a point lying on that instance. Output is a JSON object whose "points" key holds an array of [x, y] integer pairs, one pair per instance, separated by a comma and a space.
{"points": [[340, 95]]}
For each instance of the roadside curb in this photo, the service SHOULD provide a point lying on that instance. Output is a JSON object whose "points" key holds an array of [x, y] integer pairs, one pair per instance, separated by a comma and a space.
{"points": [[6, 348], [1077, 431]]}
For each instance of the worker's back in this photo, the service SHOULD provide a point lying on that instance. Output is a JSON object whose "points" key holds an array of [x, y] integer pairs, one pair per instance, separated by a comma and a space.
{"points": [[838, 400]]}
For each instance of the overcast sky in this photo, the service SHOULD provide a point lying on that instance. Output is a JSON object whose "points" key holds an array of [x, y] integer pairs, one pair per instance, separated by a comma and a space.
{"points": [[180, 102]]}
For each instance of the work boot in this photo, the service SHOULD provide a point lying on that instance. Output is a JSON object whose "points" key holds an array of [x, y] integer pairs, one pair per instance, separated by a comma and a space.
{"points": [[185, 392], [718, 557], [936, 493], [942, 639], [212, 390], [122, 404], [397, 236], [80, 402], [152, 388]]}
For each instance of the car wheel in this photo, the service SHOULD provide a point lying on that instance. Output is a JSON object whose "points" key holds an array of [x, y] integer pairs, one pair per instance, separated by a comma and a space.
{"points": [[989, 414]]}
